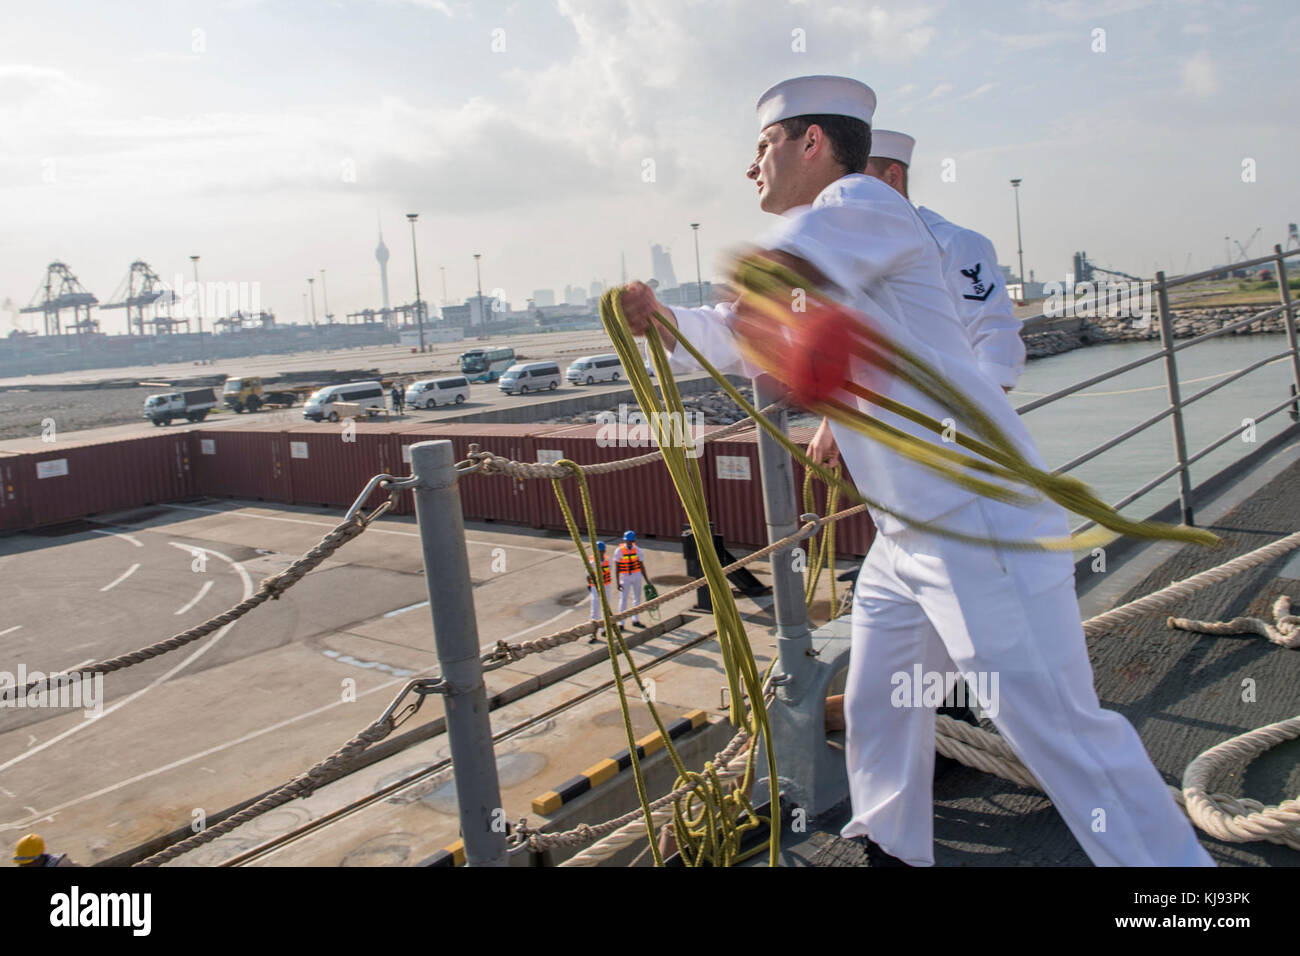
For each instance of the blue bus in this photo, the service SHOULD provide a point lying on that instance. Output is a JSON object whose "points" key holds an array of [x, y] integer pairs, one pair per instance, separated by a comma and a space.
{"points": [[486, 365]]}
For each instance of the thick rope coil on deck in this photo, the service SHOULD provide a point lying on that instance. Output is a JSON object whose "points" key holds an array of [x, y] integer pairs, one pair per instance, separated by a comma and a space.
{"points": [[1284, 631], [1158, 600], [1234, 819], [1240, 819]]}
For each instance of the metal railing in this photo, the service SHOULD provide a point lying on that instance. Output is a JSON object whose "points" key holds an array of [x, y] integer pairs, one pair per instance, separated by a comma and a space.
{"points": [[1177, 403]]}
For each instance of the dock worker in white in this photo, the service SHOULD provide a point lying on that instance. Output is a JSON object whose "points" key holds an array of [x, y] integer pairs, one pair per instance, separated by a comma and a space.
{"points": [[922, 599], [597, 610], [630, 570]]}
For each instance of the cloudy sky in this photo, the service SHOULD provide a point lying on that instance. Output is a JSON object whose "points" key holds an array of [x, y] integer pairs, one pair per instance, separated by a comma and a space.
{"points": [[270, 137]]}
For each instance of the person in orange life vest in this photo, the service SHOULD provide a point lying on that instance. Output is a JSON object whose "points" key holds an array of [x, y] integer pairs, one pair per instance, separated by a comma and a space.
{"points": [[630, 570], [596, 613]]}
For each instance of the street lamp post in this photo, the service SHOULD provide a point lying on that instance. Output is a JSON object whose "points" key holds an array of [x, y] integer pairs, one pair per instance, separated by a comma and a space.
{"points": [[699, 280], [311, 285], [198, 306], [443, 270], [478, 278], [325, 298], [1020, 245], [419, 306]]}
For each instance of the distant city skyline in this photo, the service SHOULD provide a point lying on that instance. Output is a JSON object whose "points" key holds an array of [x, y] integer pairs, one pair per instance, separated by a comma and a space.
{"points": [[265, 140]]}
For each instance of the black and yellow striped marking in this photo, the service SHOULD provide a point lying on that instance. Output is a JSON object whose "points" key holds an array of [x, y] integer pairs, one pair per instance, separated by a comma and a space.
{"points": [[453, 854], [552, 800]]}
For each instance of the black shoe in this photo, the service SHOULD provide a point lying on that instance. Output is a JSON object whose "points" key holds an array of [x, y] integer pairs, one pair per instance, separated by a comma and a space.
{"points": [[637, 624], [875, 855], [595, 639]]}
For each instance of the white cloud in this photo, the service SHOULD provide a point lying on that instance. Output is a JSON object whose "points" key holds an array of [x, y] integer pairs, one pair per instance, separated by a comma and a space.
{"points": [[978, 91], [896, 33], [1200, 76], [1088, 9], [1018, 42], [943, 89]]}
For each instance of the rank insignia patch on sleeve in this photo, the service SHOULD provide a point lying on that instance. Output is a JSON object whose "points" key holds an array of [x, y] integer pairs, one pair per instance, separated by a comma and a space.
{"points": [[979, 291]]}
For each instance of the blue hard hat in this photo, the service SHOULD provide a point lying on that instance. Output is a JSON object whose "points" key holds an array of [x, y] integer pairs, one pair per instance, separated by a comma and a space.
{"points": [[629, 535], [600, 545]]}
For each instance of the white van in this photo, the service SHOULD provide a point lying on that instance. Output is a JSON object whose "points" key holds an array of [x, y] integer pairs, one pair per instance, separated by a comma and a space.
{"points": [[529, 377], [431, 392], [595, 368], [321, 403]]}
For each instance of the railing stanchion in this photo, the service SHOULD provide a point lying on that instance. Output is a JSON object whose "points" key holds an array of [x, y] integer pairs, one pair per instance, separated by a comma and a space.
{"points": [[1288, 316], [794, 641], [1175, 399], [455, 633]]}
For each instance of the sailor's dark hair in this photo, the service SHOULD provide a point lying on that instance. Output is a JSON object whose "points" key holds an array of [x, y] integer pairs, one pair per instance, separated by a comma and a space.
{"points": [[850, 138]]}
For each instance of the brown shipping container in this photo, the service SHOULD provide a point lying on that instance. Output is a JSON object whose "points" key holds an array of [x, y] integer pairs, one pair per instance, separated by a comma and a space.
{"points": [[733, 487], [70, 482], [242, 464], [12, 517], [642, 499], [485, 497], [330, 466]]}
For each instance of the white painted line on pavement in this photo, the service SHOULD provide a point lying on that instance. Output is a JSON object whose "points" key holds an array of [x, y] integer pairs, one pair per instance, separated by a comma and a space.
{"points": [[374, 529], [248, 592], [129, 571], [207, 586], [119, 534], [10, 630]]}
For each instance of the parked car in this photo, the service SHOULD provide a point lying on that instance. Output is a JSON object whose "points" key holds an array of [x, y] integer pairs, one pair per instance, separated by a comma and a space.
{"points": [[530, 377], [321, 403], [193, 405], [591, 369], [431, 392]]}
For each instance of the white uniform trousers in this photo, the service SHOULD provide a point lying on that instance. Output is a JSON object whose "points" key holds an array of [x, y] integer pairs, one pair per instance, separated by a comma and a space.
{"points": [[597, 612], [938, 603], [630, 596]]}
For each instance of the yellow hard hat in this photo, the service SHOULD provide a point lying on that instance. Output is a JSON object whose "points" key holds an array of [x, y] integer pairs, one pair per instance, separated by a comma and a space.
{"points": [[29, 849]]}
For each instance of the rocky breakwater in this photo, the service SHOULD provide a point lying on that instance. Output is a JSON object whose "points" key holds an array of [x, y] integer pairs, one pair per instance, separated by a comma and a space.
{"points": [[1188, 323]]}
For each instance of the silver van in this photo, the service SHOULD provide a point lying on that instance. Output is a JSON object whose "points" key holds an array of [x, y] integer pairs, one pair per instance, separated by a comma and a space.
{"points": [[591, 369], [431, 392], [529, 377], [321, 403]]}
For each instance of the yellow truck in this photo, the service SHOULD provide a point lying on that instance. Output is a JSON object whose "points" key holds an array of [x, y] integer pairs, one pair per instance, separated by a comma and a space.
{"points": [[245, 394]]}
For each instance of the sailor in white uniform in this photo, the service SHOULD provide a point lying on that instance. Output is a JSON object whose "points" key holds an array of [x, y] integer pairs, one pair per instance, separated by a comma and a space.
{"points": [[921, 599], [970, 268]]}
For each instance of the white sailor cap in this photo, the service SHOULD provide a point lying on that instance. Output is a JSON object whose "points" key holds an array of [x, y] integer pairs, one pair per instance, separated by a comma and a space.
{"points": [[805, 95], [887, 144]]}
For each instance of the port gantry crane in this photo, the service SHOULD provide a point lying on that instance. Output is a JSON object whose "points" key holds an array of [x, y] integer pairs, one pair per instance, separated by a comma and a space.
{"points": [[141, 288], [1245, 250], [60, 291]]}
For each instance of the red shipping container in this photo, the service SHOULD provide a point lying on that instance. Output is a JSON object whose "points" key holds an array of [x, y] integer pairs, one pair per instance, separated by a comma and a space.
{"points": [[733, 489], [242, 464], [74, 481], [485, 497], [329, 466], [12, 513], [642, 499]]}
